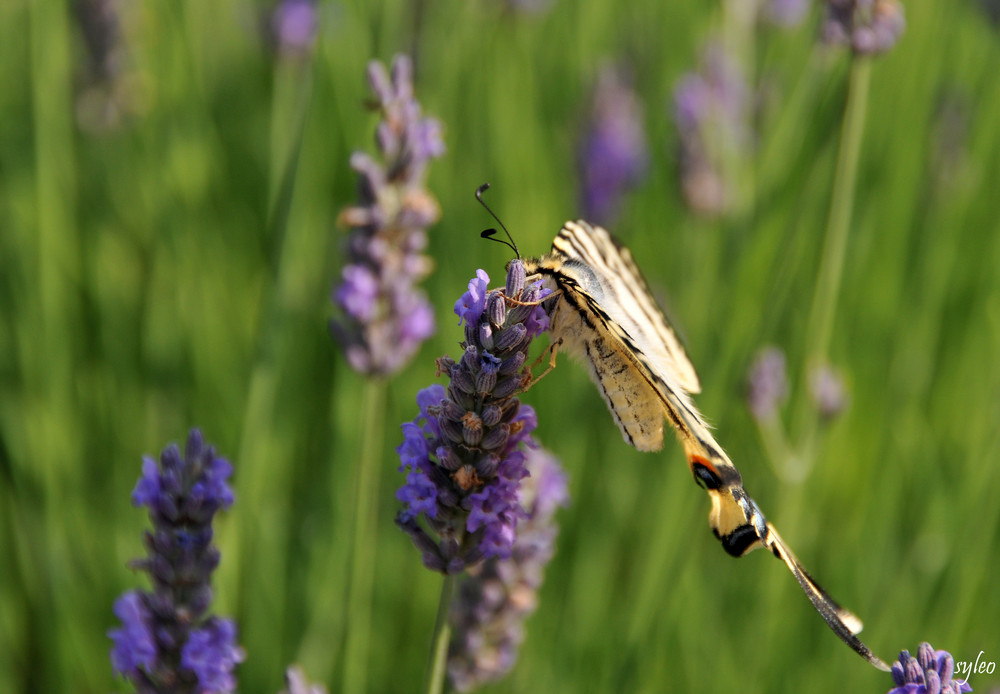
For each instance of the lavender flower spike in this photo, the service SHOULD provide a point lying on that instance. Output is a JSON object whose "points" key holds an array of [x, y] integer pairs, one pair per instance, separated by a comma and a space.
{"points": [[167, 642], [492, 603], [613, 154], [929, 673], [869, 27], [767, 384], [385, 317], [712, 114], [462, 454]]}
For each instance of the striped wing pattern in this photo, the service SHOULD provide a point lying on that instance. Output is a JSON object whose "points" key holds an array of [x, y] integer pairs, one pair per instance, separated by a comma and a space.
{"points": [[605, 315]]}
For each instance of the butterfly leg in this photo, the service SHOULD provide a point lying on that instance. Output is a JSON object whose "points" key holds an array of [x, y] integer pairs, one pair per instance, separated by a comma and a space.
{"points": [[551, 351]]}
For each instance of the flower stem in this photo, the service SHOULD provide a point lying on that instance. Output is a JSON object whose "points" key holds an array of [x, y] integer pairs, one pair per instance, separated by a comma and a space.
{"points": [[365, 539], [824, 304], [442, 636]]}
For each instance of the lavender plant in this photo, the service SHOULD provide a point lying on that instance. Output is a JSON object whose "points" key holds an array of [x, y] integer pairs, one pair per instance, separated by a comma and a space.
{"points": [[385, 317], [929, 673], [767, 383], [167, 641], [711, 112], [293, 25], [492, 603], [462, 454], [869, 27], [613, 152]]}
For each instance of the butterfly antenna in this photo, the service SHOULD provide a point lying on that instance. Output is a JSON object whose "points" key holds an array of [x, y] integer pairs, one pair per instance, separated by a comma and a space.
{"points": [[489, 233]]}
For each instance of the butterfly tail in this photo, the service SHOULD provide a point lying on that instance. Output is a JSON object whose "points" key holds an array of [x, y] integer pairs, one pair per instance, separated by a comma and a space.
{"points": [[757, 531]]}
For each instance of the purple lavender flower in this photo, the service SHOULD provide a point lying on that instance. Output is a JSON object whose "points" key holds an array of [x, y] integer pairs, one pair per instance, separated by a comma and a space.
{"points": [[385, 317], [827, 391], [211, 654], [785, 13], [167, 642], [767, 384], [929, 673], [462, 454], [869, 27], [135, 647], [711, 111], [296, 683], [613, 154], [492, 603], [294, 25]]}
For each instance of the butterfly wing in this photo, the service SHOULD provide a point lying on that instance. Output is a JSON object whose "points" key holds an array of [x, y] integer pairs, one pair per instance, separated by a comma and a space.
{"points": [[609, 275]]}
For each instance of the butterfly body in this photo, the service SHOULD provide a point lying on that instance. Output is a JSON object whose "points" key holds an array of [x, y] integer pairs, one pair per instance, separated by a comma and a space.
{"points": [[603, 313]]}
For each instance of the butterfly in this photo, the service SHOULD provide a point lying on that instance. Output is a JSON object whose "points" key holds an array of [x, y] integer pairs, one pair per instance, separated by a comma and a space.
{"points": [[602, 312]]}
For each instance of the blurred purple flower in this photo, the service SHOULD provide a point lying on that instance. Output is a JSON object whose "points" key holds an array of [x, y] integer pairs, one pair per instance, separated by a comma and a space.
{"points": [[134, 645], [294, 26], [711, 112], [613, 154], [493, 602], [767, 384], [212, 654], [462, 454], [827, 391], [385, 316], [785, 13], [869, 27], [929, 673], [296, 683], [166, 635]]}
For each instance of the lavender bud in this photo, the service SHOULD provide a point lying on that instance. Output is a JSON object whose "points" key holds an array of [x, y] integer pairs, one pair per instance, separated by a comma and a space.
{"points": [[497, 310], [510, 338], [515, 283]]}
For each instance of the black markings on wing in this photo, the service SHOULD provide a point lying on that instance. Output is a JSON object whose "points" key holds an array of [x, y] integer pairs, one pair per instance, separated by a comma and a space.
{"points": [[631, 305]]}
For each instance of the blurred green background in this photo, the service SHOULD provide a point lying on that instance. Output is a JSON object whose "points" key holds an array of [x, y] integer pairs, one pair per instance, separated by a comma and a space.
{"points": [[167, 262]]}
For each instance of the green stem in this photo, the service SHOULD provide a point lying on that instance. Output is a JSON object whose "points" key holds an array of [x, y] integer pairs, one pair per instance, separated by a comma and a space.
{"points": [[442, 636], [827, 291], [365, 539]]}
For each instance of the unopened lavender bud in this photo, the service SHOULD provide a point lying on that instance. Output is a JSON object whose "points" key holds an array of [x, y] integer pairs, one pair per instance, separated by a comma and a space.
{"points": [[495, 439], [491, 416], [470, 360], [488, 465], [448, 458], [512, 364], [507, 386], [486, 335], [472, 429], [515, 281], [496, 309], [464, 381], [444, 365], [486, 381], [453, 431], [511, 337]]}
